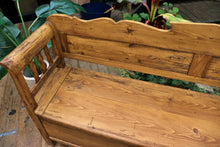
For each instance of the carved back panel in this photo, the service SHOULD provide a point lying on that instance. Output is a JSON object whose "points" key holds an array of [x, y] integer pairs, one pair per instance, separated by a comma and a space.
{"points": [[189, 51]]}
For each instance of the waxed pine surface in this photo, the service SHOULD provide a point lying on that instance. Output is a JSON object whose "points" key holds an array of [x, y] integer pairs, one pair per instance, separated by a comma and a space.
{"points": [[145, 112], [23, 131], [26, 132]]}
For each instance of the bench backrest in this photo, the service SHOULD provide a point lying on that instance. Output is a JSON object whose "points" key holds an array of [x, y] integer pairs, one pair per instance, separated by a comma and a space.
{"points": [[189, 51]]}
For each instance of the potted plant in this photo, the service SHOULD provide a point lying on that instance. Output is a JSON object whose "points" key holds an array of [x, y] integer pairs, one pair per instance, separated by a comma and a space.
{"points": [[165, 14], [10, 35]]}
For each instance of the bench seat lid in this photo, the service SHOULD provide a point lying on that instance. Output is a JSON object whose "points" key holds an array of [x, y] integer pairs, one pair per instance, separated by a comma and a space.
{"points": [[134, 111]]}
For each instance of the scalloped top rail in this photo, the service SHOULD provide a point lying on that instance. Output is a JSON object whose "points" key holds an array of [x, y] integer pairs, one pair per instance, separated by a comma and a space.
{"points": [[196, 38]]}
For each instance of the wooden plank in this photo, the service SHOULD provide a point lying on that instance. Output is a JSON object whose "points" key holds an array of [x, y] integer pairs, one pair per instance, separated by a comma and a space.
{"points": [[29, 103], [45, 94], [63, 40], [28, 134], [34, 71], [10, 105], [47, 54], [194, 38], [92, 139], [57, 45], [212, 82], [213, 70], [199, 65], [130, 53], [44, 77], [42, 64], [172, 116]]}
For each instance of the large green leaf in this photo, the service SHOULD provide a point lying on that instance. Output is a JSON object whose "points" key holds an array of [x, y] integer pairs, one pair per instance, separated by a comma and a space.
{"points": [[61, 6], [15, 31], [171, 18], [2, 21], [6, 46], [67, 11], [42, 9], [3, 72], [38, 24], [55, 6]]}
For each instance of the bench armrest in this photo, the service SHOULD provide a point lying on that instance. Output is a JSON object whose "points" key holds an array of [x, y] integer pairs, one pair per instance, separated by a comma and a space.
{"points": [[28, 49]]}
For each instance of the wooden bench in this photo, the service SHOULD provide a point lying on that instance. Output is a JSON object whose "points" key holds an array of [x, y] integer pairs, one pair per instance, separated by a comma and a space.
{"points": [[79, 107]]}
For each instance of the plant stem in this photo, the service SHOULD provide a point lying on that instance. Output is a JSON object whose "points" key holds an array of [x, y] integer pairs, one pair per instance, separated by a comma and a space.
{"points": [[19, 11], [6, 35], [15, 39], [29, 32], [148, 10]]}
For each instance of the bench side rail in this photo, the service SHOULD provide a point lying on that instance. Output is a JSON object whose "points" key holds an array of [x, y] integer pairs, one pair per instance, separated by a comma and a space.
{"points": [[189, 51], [23, 56]]}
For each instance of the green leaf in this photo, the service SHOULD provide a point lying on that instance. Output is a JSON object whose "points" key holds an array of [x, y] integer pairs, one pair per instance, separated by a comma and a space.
{"points": [[38, 24], [161, 11], [15, 31], [145, 16], [165, 3], [127, 16], [150, 77], [67, 11], [170, 5], [163, 81], [175, 10], [136, 17], [42, 9], [179, 16], [175, 82], [169, 17], [171, 11], [3, 72], [56, 4], [2, 21], [119, 1], [46, 14]]}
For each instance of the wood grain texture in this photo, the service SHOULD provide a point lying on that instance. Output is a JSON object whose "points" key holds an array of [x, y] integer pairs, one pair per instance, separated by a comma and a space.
{"points": [[17, 59], [45, 94], [34, 71], [199, 65], [44, 77], [131, 111], [80, 107], [42, 64], [56, 45], [132, 45], [214, 81], [47, 54], [194, 38], [10, 105], [213, 70], [29, 103], [130, 53]]}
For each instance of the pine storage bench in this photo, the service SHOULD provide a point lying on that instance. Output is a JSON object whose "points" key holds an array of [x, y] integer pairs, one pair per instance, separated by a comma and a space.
{"points": [[78, 107]]}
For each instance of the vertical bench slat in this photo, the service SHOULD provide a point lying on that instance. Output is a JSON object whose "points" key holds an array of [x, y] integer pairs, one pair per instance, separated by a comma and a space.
{"points": [[199, 65], [47, 53], [34, 71], [41, 61]]}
